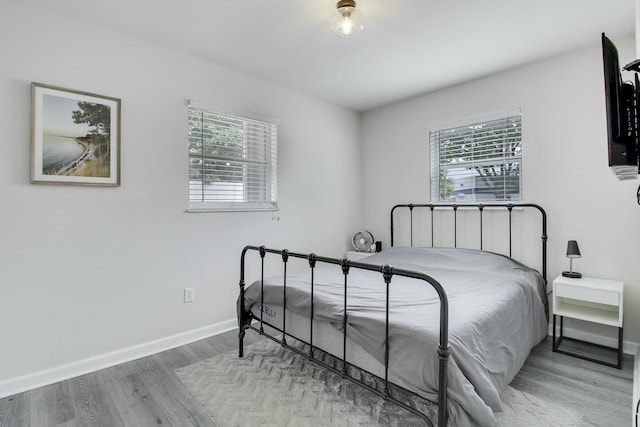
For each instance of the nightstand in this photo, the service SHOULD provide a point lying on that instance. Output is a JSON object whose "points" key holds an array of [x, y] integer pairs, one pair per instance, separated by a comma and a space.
{"points": [[593, 300], [357, 256]]}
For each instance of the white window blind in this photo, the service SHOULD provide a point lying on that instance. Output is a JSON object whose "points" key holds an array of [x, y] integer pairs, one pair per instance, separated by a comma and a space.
{"points": [[232, 161], [478, 161]]}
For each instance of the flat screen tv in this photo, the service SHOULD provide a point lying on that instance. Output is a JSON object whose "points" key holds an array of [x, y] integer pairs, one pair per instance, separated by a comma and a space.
{"points": [[622, 115]]}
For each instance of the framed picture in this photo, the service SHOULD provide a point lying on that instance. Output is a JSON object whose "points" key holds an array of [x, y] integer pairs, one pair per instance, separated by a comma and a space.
{"points": [[75, 137]]}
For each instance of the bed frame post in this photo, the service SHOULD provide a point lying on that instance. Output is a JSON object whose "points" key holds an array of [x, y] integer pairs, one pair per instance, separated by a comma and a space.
{"points": [[544, 238], [455, 226], [510, 209], [263, 252], [443, 353], [432, 207], [387, 273], [285, 258], [411, 223], [480, 208], [391, 222], [243, 319], [346, 265], [312, 265]]}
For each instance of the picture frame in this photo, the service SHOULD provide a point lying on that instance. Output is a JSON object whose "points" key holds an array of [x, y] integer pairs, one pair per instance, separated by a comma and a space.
{"points": [[75, 137]]}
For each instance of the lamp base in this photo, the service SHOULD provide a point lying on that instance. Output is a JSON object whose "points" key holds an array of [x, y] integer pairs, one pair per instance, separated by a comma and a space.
{"points": [[572, 274]]}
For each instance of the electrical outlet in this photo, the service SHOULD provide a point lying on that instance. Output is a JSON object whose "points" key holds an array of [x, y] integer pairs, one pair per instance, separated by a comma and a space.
{"points": [[188, 295]]}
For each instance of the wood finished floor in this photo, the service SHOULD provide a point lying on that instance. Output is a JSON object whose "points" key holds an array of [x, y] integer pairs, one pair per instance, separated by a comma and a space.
{"points": [[146, 392]]}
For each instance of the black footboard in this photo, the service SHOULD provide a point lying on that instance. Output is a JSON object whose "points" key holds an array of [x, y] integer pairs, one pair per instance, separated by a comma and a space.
{"points": [[387, 272]]}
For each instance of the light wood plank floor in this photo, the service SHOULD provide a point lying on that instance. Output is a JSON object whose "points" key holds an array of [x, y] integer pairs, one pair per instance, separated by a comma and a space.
{"points": [[146, 392]]}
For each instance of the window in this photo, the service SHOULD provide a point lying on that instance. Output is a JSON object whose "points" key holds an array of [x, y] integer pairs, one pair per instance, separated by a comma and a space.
{"points": [[480, 160], [232, 161]]}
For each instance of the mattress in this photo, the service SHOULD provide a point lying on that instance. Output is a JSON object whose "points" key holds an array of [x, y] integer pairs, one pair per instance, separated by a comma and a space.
{"points": [[496, 315]]}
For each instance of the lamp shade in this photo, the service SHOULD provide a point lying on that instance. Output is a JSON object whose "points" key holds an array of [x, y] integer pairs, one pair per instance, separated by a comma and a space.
{"points": [[573, 251]]}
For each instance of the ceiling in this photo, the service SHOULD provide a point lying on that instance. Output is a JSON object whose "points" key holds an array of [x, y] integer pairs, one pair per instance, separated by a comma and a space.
{"points": [[408, 47]]}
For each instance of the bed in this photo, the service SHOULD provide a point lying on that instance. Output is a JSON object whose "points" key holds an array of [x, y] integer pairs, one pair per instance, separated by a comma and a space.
{"points": [[452, 325]]}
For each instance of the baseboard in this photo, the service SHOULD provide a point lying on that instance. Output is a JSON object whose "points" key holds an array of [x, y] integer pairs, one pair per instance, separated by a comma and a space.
{"points": [[628, 347], [81, 367]]}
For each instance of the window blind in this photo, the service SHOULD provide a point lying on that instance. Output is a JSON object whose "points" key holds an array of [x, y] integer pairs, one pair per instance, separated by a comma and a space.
{"points": [[478, 161], [232, 161]]}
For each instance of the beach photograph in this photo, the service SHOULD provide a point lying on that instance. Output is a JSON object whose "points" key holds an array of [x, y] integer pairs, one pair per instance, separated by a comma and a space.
{"points": [[73, 137]]}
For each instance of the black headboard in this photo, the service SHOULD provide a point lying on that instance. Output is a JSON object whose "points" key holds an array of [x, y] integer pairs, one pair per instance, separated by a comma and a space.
{"points": [[480, 207]]}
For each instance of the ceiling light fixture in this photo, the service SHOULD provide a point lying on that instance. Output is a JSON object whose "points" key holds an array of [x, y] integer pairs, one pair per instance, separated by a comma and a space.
{"points": [[348, 21]]}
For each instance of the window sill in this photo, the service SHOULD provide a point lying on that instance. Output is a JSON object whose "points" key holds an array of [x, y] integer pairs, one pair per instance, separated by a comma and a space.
{"points": [[215, 210]]}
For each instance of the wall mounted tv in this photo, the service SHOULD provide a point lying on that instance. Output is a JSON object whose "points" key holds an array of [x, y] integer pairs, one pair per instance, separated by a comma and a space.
{"points": [[622, 113]]}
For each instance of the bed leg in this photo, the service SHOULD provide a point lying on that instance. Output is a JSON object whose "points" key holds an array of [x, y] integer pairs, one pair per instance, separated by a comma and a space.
{"points": [[443, 353], [241, 342]]}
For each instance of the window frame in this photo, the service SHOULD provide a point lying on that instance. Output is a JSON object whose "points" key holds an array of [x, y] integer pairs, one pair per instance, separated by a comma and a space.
{"points": [[436, 165], [270, 182]]}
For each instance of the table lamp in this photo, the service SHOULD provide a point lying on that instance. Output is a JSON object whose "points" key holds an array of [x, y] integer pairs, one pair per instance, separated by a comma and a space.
{"points": [[572, 252]]}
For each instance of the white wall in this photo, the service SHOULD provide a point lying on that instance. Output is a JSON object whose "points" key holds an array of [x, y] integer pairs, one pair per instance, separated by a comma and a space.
{"points": [[89, 271], [564, 167]]}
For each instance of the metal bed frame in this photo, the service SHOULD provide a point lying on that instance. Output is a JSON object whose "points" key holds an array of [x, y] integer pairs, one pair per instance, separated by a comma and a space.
{"points": [[245, 318]]}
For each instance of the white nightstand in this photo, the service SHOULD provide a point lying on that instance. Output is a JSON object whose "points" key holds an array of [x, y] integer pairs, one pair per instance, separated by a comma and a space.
{"points": [[593, 300], [356, 256]]}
